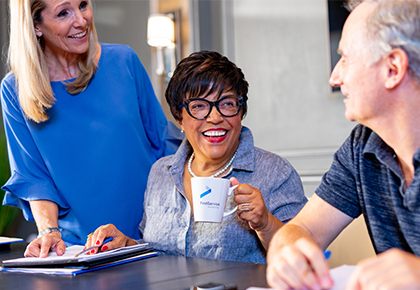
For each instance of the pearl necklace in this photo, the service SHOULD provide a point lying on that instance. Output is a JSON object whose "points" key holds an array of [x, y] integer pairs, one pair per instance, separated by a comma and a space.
{"points": [[217, 173]]}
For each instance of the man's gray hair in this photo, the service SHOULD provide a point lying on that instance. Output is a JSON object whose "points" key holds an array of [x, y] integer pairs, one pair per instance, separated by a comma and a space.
{"points": [[393, 24]]}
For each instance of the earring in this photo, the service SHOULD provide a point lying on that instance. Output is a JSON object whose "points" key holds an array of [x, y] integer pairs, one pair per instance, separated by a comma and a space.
{"points": [[182, 131]]}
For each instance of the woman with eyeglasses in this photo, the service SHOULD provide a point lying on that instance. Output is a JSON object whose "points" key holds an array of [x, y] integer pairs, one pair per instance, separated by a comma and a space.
{"points": [[208, 97]]}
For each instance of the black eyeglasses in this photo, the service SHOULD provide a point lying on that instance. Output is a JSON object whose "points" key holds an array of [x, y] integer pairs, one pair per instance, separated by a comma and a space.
{"points": [[200, 108]]}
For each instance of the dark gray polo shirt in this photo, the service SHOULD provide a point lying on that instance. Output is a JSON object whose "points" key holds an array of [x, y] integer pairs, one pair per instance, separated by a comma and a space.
{"points": [[365, 178]]}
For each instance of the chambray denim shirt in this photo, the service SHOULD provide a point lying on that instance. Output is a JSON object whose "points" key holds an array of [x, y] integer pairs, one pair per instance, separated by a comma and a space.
{"points": [[167, 223], [365, 178]]}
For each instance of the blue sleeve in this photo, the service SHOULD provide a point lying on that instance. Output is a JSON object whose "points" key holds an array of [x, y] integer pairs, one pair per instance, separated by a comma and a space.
{"points": [[30, 178], [338, 185], [163, 135]]}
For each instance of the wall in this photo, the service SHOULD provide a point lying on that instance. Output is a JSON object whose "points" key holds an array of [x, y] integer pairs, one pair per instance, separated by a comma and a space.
{"points": [[125, 22]]}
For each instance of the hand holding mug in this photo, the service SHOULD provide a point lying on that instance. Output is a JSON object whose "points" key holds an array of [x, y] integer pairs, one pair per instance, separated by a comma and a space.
{"points": [[251, 206]]}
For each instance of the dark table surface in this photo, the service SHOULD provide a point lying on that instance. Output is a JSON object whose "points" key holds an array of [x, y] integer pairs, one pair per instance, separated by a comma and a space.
{"points": [[156, 273]]}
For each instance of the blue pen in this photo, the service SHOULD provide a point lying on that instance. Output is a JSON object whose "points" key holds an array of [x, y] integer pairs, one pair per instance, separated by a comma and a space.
{"points": [[327, 254], [94, 247]]}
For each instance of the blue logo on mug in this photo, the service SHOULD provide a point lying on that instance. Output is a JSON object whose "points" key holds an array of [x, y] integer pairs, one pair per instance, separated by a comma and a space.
{"points": [[208, 191]]}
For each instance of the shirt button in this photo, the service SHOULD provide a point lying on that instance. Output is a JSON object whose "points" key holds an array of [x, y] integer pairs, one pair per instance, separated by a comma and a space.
{"points": [[186, 228]]}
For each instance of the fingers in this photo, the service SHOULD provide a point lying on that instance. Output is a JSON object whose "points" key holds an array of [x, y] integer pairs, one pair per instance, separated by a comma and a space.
{"points": [[60, 248], [88, 241], [251, 206], [40, 247], [233, 181], [393, 269], [299, 266], [33, 249], [47, 243], [103, 232], [317, 262]]}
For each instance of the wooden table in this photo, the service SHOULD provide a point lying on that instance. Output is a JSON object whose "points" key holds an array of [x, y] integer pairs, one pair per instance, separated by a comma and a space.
{"points": [[156, 273]]}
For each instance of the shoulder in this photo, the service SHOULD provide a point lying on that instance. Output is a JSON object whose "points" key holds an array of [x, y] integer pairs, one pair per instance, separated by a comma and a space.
{"points": [[159, 173], [252, 158], [265, 156], [116, 49], [9, 89], [118, 53], [359, 137], [161, 165], [121, 57], [8, 82]]}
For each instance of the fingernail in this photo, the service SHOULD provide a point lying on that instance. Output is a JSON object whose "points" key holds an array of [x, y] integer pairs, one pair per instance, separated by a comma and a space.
{"points": [[326, 281], [104, 248], [98, 242], [93, 251]]}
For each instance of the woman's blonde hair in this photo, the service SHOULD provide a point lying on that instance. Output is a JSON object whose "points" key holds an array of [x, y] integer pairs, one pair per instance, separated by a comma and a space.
{"points": [[27, 61]]}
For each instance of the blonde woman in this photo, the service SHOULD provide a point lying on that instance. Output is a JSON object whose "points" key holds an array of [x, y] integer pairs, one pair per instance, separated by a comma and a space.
{"points": [[82, 122]]}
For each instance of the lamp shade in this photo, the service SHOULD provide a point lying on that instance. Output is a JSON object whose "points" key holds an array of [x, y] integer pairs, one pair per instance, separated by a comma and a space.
{"points": [[160, 30]]}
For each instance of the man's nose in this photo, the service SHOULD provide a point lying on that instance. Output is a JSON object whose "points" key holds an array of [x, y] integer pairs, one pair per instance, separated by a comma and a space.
{"points": [[335, 78]]}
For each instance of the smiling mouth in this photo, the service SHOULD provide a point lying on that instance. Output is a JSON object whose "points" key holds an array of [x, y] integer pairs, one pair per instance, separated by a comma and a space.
{"points": [[79, 35], [215, 133]]}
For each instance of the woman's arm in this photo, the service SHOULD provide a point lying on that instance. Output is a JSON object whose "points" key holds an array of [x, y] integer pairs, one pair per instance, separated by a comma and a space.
{"points": [[46, 216]]}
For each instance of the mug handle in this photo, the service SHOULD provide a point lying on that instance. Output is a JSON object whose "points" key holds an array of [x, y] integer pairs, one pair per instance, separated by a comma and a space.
{"points": [[231, 189]]}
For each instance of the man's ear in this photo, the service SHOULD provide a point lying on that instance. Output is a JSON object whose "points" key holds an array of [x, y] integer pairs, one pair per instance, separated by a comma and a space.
{"points": [[396, 67]]}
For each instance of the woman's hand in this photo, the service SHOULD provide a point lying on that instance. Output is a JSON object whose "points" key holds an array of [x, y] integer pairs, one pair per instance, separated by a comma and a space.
{"points": [[119, 239], [45, 213], [40, 247], [251, 208]]}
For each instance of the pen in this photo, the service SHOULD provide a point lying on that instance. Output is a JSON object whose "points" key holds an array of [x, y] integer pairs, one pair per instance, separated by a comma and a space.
{"points": [[327, 254], [94, 247]]}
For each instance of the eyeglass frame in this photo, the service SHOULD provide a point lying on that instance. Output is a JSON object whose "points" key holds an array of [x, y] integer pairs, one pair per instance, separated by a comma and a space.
{"points": [[212, 104]]}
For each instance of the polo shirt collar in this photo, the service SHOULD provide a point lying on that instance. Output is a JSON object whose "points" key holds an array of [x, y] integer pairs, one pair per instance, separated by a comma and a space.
{"points": [[385, 154]]}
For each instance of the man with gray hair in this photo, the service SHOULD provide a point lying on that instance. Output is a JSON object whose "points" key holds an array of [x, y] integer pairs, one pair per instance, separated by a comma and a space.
{"points": [[376, 172]]}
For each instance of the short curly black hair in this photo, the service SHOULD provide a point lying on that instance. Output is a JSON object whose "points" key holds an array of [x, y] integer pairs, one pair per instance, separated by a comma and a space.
{"points": [[201, 74]]}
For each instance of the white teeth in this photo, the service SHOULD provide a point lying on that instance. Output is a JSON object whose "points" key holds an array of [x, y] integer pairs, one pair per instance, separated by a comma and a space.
{"points": [[80, 35], [214, 133]]}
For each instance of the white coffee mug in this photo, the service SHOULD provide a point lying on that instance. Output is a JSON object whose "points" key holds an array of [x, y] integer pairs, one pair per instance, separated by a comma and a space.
{"points": [[209, 198]]}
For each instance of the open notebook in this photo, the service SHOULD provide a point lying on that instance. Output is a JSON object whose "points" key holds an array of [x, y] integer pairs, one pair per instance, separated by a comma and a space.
{"points": [[68, 264]]}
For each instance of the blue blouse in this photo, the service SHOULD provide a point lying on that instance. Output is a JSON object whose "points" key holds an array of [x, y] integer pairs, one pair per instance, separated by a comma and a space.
{"points": [[93, 156]]}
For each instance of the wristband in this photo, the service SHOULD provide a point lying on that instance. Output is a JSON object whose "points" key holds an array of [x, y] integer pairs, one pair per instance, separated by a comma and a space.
{"points": [[47, 231]]}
